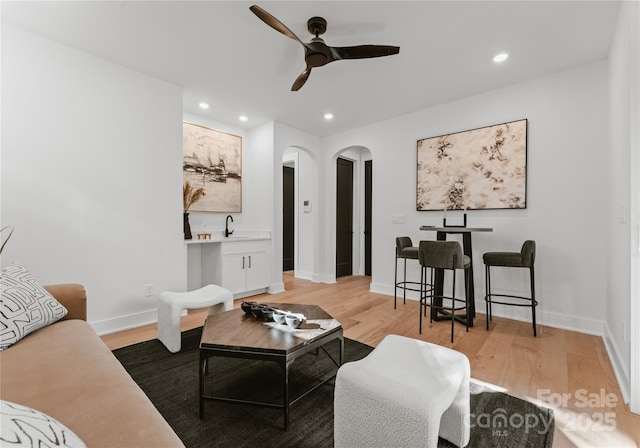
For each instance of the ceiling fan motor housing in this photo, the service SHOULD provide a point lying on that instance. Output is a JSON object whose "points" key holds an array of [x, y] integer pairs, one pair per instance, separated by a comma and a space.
{"points": [[317, 53], [317, 26]]}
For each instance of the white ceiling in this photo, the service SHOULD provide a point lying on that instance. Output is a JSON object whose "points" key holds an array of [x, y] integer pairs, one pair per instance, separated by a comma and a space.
{"points": [[221, 53]]}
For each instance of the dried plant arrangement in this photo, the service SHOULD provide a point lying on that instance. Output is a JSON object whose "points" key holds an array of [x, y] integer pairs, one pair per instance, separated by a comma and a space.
{"points": [[190, 195], [7, 238]]}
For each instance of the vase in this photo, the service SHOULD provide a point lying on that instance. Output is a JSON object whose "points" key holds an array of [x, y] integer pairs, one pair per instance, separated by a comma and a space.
{"points": [[187, 227]]}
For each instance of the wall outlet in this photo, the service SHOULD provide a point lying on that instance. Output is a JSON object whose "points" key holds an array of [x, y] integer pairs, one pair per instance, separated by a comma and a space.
{"points": [[398, 219], [149, 290]]}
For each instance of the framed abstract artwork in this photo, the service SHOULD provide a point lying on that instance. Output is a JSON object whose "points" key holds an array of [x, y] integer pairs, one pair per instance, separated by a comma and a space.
{"points": [[212, 160], [484, 168]]}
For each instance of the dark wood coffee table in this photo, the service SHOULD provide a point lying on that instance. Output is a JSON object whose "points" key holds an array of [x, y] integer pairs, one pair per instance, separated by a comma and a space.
{"points": [[236, 335]]}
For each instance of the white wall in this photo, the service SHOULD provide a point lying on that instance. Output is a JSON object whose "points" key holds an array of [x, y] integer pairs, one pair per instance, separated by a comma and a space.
{"points": [[634, 118], [91, 176], [623, 221], [262, 201], [305, 175], [305, 190], [566, 190]]}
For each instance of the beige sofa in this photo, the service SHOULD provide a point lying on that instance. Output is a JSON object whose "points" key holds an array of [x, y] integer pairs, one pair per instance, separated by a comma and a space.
{"points": [[67, 372]]}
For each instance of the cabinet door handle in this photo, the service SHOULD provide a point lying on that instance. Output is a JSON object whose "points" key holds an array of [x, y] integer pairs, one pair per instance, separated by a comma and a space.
{"points": [[242, 262], [249, 261]]}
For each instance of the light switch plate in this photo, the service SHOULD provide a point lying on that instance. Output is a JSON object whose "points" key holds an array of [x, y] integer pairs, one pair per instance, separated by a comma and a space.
{"points": [[622, 214]]}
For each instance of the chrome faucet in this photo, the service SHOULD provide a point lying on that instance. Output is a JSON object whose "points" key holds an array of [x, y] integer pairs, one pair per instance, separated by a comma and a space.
{"points": [[226, 226]]}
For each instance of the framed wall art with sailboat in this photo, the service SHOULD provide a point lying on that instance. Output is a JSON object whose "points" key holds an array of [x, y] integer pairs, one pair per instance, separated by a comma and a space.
{"points": [[212, 160]]}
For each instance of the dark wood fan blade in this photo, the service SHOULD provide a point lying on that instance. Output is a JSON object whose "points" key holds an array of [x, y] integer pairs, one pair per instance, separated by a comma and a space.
{"points": [[300, 80], [273, 22], [364, 51]]}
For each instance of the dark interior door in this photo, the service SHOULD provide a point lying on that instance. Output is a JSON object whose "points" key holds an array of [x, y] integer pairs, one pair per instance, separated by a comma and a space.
{"points": [[368, 173], [344, 218], [288, 222]]}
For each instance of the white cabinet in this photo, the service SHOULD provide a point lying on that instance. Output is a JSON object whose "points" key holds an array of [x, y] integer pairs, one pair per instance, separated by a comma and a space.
{"points": [[238, 264], [245, 267]]}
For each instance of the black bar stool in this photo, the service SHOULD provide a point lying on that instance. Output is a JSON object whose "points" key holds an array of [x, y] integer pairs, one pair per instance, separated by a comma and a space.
{"points": [[406, 251], [445, 255], [523, 259]]}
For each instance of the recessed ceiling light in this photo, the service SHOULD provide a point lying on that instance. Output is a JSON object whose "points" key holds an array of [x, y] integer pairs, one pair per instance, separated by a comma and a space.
{"points": [[500, 57], [328, 116], [203, 105], [243, 118]]}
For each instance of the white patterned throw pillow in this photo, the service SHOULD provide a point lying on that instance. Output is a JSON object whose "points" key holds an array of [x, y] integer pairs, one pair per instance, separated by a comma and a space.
{"points": [[25, 306], [21, 426]]}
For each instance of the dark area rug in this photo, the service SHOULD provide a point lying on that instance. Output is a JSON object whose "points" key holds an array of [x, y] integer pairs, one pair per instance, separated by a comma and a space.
{"points": [[170, 380]]}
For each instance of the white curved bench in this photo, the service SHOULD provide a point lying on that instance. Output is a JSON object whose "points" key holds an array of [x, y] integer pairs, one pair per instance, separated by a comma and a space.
{"points": [[171, 305]]}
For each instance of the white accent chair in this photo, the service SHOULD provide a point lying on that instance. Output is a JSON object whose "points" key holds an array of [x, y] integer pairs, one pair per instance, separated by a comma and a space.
{"points": [[171, 305], [405, 393]]}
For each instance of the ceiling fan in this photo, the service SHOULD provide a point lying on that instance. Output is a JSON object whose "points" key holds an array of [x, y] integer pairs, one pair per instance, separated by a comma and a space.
{"points": [[316, 52]]}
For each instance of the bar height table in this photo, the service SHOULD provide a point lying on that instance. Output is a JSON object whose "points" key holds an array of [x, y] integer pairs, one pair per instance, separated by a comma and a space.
{"points": [[441, 235]]}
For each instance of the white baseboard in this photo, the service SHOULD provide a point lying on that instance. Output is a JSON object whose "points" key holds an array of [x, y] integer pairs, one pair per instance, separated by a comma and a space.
{"points": [[126, 322], [379, 288], [387, 290], [548, 319], [276, 288], [317, 278], [305, 275], [619, 369], [556, 320], [572, 323], [242, 295]]}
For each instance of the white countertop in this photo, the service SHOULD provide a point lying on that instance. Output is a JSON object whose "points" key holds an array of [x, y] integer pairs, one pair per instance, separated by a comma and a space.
{"points": [[217, 236], [231, 239]]}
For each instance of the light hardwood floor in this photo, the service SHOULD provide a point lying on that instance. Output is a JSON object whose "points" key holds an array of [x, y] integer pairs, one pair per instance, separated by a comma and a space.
{"points": [[558, 365]]}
